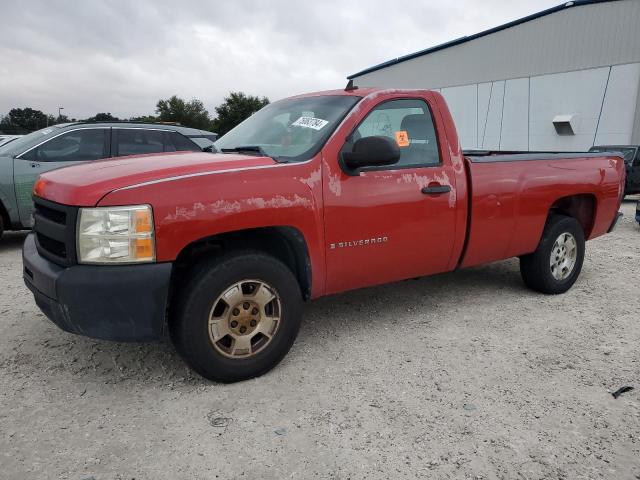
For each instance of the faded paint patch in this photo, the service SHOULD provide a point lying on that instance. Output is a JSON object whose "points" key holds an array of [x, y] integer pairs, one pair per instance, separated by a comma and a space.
{"points": [[314, 178], [226, 207], [424, 180], [335, 186], [279, 201], [421, 180]]}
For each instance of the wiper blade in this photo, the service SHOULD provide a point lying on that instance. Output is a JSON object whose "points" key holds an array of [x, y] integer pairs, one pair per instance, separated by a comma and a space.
{"points": [[251, 148], [246, 148]]}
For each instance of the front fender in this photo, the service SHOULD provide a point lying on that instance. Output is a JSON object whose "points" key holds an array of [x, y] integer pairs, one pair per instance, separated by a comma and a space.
{"points": [[190, 208]]}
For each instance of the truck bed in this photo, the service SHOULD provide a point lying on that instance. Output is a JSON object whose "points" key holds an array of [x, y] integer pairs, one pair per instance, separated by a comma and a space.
{"points": [[510, 196]]}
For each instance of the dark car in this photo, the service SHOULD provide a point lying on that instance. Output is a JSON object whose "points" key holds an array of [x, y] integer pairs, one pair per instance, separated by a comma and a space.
{"points": [[25, 158], [631, 155]]}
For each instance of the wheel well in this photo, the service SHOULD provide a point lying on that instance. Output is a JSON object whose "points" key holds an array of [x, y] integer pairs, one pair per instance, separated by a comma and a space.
{"points": [[287, 244], [582, 207]]}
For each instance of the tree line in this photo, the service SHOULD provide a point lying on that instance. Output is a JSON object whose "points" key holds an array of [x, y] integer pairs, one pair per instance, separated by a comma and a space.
{"points": [[236, 107]]}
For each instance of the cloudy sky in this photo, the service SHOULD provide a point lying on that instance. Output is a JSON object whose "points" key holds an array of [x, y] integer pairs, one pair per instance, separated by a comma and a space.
{"points": [[122, 56]]}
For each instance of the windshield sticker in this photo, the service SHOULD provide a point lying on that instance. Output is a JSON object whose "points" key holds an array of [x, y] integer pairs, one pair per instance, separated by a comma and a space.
{"points": [[310, 122], [402, 138]]}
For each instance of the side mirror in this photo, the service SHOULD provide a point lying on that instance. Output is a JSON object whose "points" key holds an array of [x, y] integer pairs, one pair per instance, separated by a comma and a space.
{"points": [[370, 152]]}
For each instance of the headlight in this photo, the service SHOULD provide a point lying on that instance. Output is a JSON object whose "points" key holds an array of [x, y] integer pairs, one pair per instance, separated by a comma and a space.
{"points": [[116, 235]]}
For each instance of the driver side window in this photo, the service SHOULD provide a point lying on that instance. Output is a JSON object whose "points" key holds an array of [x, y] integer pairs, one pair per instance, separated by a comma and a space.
{"points": [[407, 122], [75, 146]]}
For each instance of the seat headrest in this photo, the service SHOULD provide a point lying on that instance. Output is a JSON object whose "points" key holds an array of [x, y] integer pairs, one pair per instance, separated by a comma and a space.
{"points": [[417, 126]]}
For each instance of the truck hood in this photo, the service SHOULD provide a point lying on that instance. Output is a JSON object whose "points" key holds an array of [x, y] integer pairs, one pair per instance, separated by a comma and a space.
{"points": [[85, 184]]}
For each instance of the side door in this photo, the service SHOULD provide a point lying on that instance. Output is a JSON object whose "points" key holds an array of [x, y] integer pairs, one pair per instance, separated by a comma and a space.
{"points": [[68, 148], [394, 222]]}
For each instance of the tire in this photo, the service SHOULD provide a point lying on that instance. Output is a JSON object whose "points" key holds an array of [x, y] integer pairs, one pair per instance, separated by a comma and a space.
{"points": [[553, 276], [206, 309]]}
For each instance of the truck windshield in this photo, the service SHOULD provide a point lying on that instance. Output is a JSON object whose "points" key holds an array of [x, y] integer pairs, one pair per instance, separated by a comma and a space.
{"points": [[289, 130]]}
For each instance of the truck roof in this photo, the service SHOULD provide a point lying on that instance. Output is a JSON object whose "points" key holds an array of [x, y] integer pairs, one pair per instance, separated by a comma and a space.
{"points": [[359, 92]]}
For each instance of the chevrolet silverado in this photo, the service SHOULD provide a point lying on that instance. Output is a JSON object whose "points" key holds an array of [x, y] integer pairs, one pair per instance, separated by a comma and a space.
{"points": [[312, 195]]}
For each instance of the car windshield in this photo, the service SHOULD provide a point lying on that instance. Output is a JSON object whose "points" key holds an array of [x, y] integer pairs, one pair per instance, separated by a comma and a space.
{"points": [[28, 140], [289, 130], [627, 153]]}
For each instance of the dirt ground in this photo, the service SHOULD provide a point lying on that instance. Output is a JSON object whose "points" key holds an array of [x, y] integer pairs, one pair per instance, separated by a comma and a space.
{"points": [[464, 375]]}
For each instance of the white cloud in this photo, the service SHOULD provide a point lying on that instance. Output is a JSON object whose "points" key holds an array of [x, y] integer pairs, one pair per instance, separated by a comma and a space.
{"points": [[122, 56]]}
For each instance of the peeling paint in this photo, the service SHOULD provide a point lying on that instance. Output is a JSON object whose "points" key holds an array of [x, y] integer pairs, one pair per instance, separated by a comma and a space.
{"points": [[279, 201], [335, 186], [424, 180], [226, 207], [314, 178]]}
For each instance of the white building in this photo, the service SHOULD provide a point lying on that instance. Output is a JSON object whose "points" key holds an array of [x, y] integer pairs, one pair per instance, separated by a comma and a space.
{"points": [[563, 79]]}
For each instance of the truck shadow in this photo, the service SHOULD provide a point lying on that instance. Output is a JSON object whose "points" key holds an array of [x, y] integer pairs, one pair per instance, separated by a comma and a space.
{"points": [[82, 360], [12, 240], [410, 299]]}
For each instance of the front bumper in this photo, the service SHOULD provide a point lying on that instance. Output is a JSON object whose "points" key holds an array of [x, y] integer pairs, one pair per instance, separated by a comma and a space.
{"points": [[111, 302]]}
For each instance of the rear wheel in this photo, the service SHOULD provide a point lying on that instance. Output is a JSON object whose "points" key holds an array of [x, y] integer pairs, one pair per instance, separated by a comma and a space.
{"points": [[237, 317], [556, 264]]}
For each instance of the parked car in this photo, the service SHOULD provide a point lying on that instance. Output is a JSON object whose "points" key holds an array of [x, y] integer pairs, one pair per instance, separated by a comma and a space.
{"points": [[310, 196], [4, 139], [22, 160], [638, 212], [631, 155]]}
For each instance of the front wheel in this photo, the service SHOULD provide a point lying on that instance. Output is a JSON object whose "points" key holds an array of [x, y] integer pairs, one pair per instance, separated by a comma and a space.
{"points": [[237, 317], [556, 264]]}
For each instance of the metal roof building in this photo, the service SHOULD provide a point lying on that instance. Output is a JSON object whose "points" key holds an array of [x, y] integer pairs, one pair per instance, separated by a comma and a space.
{"points": [[565, 79]]}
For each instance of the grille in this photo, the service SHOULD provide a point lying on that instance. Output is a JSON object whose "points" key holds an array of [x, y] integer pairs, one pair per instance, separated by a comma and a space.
{"points": [[55, 229]]}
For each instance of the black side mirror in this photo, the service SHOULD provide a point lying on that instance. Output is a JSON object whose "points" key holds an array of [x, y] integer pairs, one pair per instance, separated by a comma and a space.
{"points": [[370, 152]]}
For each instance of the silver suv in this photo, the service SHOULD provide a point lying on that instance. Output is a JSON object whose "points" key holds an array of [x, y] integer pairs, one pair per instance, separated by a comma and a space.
{"points": [[25, 158]]}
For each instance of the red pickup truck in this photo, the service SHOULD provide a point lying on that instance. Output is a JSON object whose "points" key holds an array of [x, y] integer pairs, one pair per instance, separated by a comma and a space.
{"points": [[312, 195]]}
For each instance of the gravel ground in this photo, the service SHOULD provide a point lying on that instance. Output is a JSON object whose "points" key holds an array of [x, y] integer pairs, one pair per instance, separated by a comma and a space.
{"points": [[464, 375]]}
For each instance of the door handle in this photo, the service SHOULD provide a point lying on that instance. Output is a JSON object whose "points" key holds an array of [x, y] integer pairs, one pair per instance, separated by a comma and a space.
{"points": [[436, 189], [35, 165]]}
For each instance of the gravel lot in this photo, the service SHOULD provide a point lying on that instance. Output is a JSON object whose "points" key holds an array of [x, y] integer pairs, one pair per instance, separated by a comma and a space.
{"points": [[465, 375]]}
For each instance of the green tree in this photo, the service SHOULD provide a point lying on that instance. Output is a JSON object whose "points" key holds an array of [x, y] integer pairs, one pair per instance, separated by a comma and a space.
{"points": [[236, 107], [189, 114], [144, 119], [24, 120], [103, 117]]}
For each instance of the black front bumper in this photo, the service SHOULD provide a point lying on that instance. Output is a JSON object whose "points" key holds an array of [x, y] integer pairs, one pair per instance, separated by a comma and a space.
{"points": [[111, 302]]}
